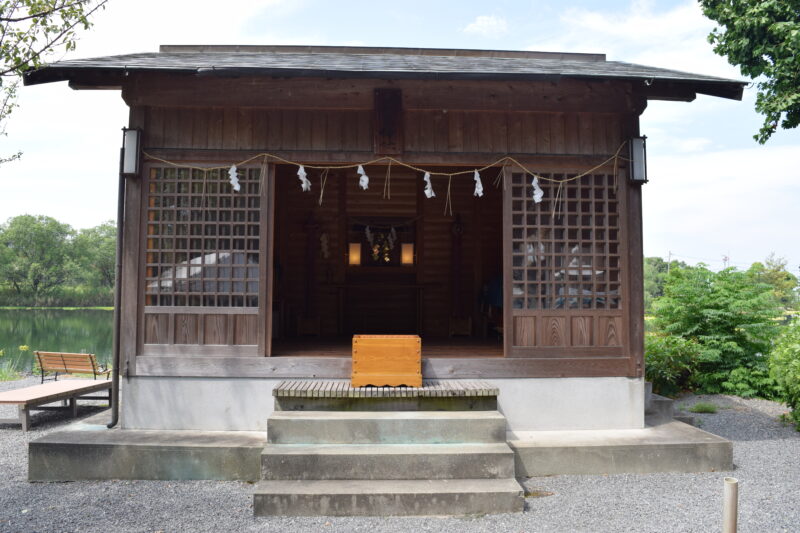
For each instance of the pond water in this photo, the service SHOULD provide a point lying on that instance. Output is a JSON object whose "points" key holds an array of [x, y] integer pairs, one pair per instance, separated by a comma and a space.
{"points": [[54, 330]]}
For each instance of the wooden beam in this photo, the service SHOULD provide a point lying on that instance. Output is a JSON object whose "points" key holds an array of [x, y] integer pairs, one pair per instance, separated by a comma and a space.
{"points": [[466, 160], [340, 367], [566, 95]]}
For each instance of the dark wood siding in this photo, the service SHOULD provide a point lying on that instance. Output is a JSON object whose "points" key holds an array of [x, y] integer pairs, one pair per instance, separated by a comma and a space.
{"points": [[426, 131], [565, 127]]}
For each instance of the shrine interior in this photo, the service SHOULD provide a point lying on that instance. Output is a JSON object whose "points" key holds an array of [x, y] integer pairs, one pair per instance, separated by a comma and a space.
{"points": [[387, 260]]}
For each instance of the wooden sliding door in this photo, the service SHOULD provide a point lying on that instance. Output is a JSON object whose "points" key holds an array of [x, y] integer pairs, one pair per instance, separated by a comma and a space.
{"points": [[206, 264], [564, 267]]}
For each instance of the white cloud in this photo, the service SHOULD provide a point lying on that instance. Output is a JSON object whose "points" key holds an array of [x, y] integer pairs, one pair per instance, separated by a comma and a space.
{"points": [[667, 140], [71, 139], [487, 26], [708, 204], [118, 29], [673, 39]]}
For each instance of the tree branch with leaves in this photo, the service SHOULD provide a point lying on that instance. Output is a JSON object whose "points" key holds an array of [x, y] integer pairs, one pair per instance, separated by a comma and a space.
{"points": [[30, 30], [762, 37]]}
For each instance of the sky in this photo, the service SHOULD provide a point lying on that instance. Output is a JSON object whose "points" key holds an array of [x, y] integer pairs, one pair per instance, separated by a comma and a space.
{"points": [[713, 192]]}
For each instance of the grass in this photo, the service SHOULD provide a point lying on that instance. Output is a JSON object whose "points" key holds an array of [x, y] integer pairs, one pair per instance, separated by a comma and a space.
{"points": [[538, 493], [26, 307], [703, 407], [8, 374]]}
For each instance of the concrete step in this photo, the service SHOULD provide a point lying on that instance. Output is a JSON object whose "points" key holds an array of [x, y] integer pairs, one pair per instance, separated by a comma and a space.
{"points": [[668, 447], [385, 427], [661, 410], [388, 497], [88, 450], [387, 461], [411, 403]]}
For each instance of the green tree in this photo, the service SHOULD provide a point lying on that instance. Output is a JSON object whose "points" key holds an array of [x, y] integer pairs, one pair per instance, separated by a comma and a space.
{"points": [[785, 368], [95, 254], [35, 257], [762, 37], [730, 316], [655, 273], [30, 30], [784, 284]]}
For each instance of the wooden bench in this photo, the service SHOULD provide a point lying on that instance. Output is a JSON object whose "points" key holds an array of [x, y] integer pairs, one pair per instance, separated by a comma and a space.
{"points": [[69, 363], [68, 391]]}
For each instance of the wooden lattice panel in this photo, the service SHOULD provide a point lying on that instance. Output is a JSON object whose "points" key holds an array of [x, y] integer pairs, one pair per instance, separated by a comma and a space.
{"points": [[566, 252], [566, 265], [202, 239]]}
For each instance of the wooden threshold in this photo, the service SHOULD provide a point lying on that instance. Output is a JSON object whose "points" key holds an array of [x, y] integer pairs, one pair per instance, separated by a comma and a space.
{"points": [[340, 367]]}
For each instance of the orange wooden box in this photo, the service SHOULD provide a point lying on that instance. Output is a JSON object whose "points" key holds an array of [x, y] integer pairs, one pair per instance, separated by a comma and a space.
{"points": [[387, 360]]}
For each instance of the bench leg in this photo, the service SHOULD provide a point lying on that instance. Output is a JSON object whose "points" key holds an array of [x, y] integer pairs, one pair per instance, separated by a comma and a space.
{"points": [[24, 417], [73, 404]]}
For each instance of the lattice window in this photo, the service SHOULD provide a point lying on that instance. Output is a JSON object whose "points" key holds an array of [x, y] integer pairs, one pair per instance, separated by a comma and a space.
{"points": [[566, 251], [202, 239]]}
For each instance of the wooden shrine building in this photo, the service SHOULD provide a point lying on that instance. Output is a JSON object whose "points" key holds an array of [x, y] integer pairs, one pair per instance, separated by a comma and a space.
{"points": [[238, 273]]}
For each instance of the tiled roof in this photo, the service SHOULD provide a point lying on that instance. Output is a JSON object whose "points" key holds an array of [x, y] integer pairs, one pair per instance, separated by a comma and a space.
{"points": [[362, 62]]}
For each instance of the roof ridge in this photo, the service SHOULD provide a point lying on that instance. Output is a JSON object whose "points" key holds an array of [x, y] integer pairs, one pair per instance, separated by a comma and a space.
{"points": [[377, 50]]}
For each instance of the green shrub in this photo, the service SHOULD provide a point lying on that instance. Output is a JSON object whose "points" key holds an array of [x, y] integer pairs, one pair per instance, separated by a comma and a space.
{"points": [[784, 367], [752, 382], [669, 362], [731, 318], [703, 407]]}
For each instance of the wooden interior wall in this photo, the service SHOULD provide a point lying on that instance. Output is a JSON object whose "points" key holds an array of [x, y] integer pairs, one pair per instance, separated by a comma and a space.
{"points": [[369, 291], [293, 207], [481, 240]]}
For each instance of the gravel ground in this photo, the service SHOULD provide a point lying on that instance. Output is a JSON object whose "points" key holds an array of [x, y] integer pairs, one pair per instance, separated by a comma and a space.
{"points": [[766, 453]]}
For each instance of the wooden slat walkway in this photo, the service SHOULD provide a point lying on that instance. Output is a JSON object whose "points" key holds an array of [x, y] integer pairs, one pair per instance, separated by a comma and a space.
{"points": [[52, 391], [36, 396], [431, 388]]}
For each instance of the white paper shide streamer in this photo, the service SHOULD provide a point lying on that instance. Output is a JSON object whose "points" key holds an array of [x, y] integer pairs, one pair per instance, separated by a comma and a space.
{"points": [[428, 186], [363, 181], [233, 177], [305, 183], [478, 184], [537, 192]]}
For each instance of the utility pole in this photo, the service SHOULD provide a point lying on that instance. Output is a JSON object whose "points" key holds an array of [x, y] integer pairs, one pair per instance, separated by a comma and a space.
{"points": [[669, 260]]}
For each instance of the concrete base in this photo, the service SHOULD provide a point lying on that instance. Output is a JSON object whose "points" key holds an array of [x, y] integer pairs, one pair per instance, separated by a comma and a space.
{"points": [[244, 404], [88, 450], [206, 404], [670, 447], [387, 498]]}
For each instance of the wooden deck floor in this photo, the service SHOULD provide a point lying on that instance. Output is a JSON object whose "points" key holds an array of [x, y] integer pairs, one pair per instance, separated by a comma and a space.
{"points": [[431, 388], [457, 347]]}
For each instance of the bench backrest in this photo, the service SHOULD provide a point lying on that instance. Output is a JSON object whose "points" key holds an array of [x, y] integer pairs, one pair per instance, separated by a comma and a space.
{"points": [[67, 363]]}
